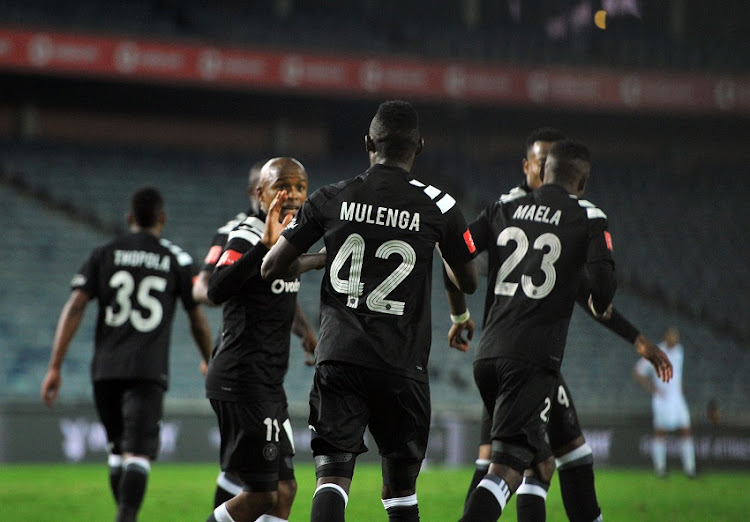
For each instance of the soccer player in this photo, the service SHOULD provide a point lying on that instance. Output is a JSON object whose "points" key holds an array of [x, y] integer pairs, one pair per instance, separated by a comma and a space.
{"points": [[380, 230], [539, 246], [227, 485], [137, 279], [572, 455], [246, 373], [669, 406]]}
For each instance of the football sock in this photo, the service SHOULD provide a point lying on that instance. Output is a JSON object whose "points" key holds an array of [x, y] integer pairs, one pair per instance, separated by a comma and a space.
{"points": [[402, 509], [688, 456], [532, 494], [480, 470], [659, 454], [329, 503], [132, 487], [220, 514], [226, 488], [115, 475], [576, 472], [488, 500]]}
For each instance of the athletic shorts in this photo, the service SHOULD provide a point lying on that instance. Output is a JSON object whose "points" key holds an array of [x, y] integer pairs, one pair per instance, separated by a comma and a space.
{"points": [[670, 414], [257, 444], [519, 395], [345, 399], [563, 424], [131, 411]]}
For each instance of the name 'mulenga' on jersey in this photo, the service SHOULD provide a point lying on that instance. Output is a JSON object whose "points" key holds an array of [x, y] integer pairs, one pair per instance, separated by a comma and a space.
{"points": [[137, 279], [538, 244], [380, 230]]}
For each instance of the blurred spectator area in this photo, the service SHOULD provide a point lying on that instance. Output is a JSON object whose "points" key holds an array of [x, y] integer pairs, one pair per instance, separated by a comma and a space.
{"points": [[674, 34]]}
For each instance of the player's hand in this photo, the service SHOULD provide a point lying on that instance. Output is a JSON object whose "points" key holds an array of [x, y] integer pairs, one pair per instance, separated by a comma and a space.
{"points": [[274, 227], [309, 343], [655, 356], [603, 316], [204, 368], [455, 335], [51, 386]]}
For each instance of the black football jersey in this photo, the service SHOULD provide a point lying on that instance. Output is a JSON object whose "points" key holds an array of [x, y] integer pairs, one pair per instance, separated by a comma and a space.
{"points": [[253, 354], [220, 240], [380, 230], [137, 279], [538, 244]]}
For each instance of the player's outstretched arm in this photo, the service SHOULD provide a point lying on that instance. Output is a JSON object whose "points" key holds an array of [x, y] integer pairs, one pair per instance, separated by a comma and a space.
{"points": [[200, 288], [201, 333], [655, 356], [460, 316], [278, 260], [67, 325], [302, 329]]}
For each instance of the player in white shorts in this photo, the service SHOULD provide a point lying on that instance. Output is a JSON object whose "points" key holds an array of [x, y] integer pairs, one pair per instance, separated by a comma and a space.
{"points": [[669, 406]]}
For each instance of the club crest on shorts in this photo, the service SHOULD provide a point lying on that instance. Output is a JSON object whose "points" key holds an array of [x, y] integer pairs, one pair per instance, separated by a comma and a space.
{"points": [[270, 452]]}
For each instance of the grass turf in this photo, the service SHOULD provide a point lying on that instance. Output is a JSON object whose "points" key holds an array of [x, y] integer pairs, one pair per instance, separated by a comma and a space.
{"points": [[178, 492]]}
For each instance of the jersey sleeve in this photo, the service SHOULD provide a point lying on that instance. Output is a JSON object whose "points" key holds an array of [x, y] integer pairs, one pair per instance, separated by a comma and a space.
{"points": [[185, 273], [86, 277], [457, 244], [600, 264], [214, 251], [306, 228], [480, 230]]}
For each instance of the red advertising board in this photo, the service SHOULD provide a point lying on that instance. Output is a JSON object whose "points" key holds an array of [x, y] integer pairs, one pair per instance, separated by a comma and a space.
{"points": [[156, 61]]}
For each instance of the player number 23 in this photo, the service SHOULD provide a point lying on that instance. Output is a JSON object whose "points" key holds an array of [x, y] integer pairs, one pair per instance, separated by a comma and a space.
{"points": [[519, 237], [125, 284], [353, 288]]}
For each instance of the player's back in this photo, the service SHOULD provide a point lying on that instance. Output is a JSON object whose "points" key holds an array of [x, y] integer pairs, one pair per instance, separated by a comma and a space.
{"points": [[381, 229], [137, 279], [540, 244]]}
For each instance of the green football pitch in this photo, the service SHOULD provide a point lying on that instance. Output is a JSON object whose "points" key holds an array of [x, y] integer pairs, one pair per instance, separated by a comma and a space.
{"points": [[184, 492]]}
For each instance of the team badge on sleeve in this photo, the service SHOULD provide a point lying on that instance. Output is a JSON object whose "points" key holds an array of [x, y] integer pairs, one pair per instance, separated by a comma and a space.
{"points": [[229, 258], [608, 239], [469, 240], [213, 255]]}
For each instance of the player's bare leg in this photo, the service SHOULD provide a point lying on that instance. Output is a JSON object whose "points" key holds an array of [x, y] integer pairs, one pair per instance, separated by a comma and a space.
{"points": [[245, 507], [687, 452], [659, 452], [287, 491]]}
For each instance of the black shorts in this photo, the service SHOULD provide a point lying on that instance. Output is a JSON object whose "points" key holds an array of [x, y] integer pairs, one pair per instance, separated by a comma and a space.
{"points": [[346, 399], [563, 424], [257, 444], [130, 411], [519, 395]]}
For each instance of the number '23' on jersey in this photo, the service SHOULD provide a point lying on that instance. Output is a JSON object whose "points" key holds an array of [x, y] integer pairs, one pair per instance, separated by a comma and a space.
{"points": [[539, 245]]}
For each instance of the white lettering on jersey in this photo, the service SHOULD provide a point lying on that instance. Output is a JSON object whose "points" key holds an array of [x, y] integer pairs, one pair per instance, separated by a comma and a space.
{"points": [[280, 286], [382, 216], [138, 258], [540, 214]]}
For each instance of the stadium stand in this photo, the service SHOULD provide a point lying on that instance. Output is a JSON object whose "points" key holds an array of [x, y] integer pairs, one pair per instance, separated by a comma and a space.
{"points": [[675, 267], [379, 27]]}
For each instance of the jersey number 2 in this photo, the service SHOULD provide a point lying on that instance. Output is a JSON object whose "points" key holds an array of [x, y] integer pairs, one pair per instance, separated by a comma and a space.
{"points": [[125, 284], [353, 288], [518, 236]]}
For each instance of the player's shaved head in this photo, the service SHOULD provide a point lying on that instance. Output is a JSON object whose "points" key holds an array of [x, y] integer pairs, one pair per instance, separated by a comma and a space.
{"points": [[146, 207], [544, 134], [276, 167], [568, 164], [394, 130]]}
